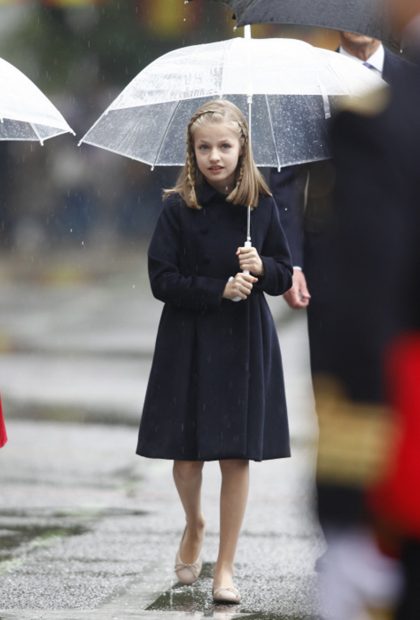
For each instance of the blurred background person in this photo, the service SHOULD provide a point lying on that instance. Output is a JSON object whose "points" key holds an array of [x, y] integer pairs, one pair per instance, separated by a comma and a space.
{"points": [[368, 487], [304, 197]]}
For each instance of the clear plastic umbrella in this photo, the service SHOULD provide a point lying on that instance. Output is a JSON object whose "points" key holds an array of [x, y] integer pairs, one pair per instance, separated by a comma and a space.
{"points": [[292, 86], [25, 112]]}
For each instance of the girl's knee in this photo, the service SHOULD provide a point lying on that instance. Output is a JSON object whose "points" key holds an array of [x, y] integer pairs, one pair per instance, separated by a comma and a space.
{"points": [[233, 465], [186, 470]]}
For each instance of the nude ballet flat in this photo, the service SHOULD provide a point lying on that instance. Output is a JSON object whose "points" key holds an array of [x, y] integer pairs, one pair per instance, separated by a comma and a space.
{"points": [[226, 595], [187, 573]]}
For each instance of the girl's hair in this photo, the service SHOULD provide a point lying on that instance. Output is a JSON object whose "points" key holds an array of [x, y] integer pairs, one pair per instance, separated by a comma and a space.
{"points": [[249, 181]]}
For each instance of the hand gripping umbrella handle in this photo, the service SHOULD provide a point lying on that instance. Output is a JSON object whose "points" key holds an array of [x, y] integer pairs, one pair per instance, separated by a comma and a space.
{"points": [[247, 244]]}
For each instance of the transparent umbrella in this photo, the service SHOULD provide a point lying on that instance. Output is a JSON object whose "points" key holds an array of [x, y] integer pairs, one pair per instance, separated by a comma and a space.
{"points": [[25, 112], [287, 88]]}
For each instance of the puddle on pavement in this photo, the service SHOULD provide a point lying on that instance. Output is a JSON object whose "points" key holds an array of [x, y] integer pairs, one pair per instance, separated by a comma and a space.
{"points": [[197, 601], [14, 536], [40, 525], [87, 513]]}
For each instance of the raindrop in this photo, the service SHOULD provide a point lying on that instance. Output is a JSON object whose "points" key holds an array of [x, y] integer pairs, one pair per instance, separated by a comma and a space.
{"points": [[133, 286], [185, 19]]}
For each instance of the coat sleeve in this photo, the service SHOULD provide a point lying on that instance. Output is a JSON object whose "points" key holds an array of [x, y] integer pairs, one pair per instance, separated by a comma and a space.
{"points": [[288, 188], [167, 282], [275, 255]]}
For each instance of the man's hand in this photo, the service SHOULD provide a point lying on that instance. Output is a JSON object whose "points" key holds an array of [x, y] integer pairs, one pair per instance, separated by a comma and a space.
{"points": [[298, 296], [239, 286]]}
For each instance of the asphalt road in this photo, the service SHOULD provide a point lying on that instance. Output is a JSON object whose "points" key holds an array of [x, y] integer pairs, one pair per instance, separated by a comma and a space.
{"points": [[87, 528]]}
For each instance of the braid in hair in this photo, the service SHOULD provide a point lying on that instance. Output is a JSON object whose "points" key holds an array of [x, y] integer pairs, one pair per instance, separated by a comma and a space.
{"points": [[239, 178], [241, 172], [191, 177]]}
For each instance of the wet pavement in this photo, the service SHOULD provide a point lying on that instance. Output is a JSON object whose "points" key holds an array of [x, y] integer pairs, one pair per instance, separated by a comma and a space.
{"points": [[87, 528]]}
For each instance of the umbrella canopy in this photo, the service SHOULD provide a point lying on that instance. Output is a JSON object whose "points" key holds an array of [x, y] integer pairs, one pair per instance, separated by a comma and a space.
{"points": [[367, 17], [25, 112], [292, 86]]}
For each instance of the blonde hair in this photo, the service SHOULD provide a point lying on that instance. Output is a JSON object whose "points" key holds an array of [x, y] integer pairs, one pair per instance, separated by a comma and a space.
{"points": [[249, 182]]}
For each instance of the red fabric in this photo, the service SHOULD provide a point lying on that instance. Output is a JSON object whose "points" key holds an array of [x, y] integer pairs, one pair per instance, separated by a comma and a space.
{"points": [[3, 434], [397, 496]]}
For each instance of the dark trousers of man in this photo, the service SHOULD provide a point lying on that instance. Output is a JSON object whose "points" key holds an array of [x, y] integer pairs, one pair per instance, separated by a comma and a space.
{"points": [[409, 608]]}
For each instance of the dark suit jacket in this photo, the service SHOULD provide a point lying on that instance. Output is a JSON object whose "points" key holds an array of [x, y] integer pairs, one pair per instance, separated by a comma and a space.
{"points": [[377, 205], [303, 195], [304, 206]]}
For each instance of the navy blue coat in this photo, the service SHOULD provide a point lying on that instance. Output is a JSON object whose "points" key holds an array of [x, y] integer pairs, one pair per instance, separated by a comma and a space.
{"points": [[216, 386]]}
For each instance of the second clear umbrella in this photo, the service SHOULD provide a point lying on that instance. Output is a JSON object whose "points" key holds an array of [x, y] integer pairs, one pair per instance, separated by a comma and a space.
{"points": [[25, 112]]}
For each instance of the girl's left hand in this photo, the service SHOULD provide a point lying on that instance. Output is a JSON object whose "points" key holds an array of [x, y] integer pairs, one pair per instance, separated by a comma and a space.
{"points": [[249, 260]]}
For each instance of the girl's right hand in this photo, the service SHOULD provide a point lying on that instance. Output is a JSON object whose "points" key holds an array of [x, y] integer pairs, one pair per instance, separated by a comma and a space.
{"points": [[239, 286]]}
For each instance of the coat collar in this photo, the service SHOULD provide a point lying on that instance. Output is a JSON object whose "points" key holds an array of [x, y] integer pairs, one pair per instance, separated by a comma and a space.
{"points": [[207, 194]]}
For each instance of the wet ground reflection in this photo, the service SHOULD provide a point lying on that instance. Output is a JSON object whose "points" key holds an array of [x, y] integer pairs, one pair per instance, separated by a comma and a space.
{"points": [[197, 602], [23, 530]]}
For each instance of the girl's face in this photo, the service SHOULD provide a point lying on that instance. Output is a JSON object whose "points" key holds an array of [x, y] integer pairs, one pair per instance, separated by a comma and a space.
{"points": [[217, 150]]}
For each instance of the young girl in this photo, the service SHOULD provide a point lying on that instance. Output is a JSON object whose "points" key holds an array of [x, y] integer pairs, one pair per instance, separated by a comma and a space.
{"points": [[216, 387]]}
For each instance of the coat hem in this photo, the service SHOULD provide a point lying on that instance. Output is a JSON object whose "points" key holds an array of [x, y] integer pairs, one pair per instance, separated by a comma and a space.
{"points": [[186, 457]]}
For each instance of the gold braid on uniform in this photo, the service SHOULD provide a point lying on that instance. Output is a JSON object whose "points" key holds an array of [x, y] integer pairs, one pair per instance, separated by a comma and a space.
{"points": [[354, 437]]}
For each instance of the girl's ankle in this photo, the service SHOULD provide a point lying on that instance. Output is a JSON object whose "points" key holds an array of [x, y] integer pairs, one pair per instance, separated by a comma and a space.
{"points": [[225, 571]]}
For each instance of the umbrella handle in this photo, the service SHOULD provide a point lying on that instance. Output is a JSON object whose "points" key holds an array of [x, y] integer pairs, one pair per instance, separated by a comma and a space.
{"points": [[247, 244]]}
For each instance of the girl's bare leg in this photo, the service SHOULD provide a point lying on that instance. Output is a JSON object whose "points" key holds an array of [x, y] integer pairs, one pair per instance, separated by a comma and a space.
{"points": [[188, 477], [233, 499]]}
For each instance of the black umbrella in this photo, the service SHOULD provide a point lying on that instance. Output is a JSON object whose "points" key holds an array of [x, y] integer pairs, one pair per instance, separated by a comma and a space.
{"points": [[367, 17]]}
